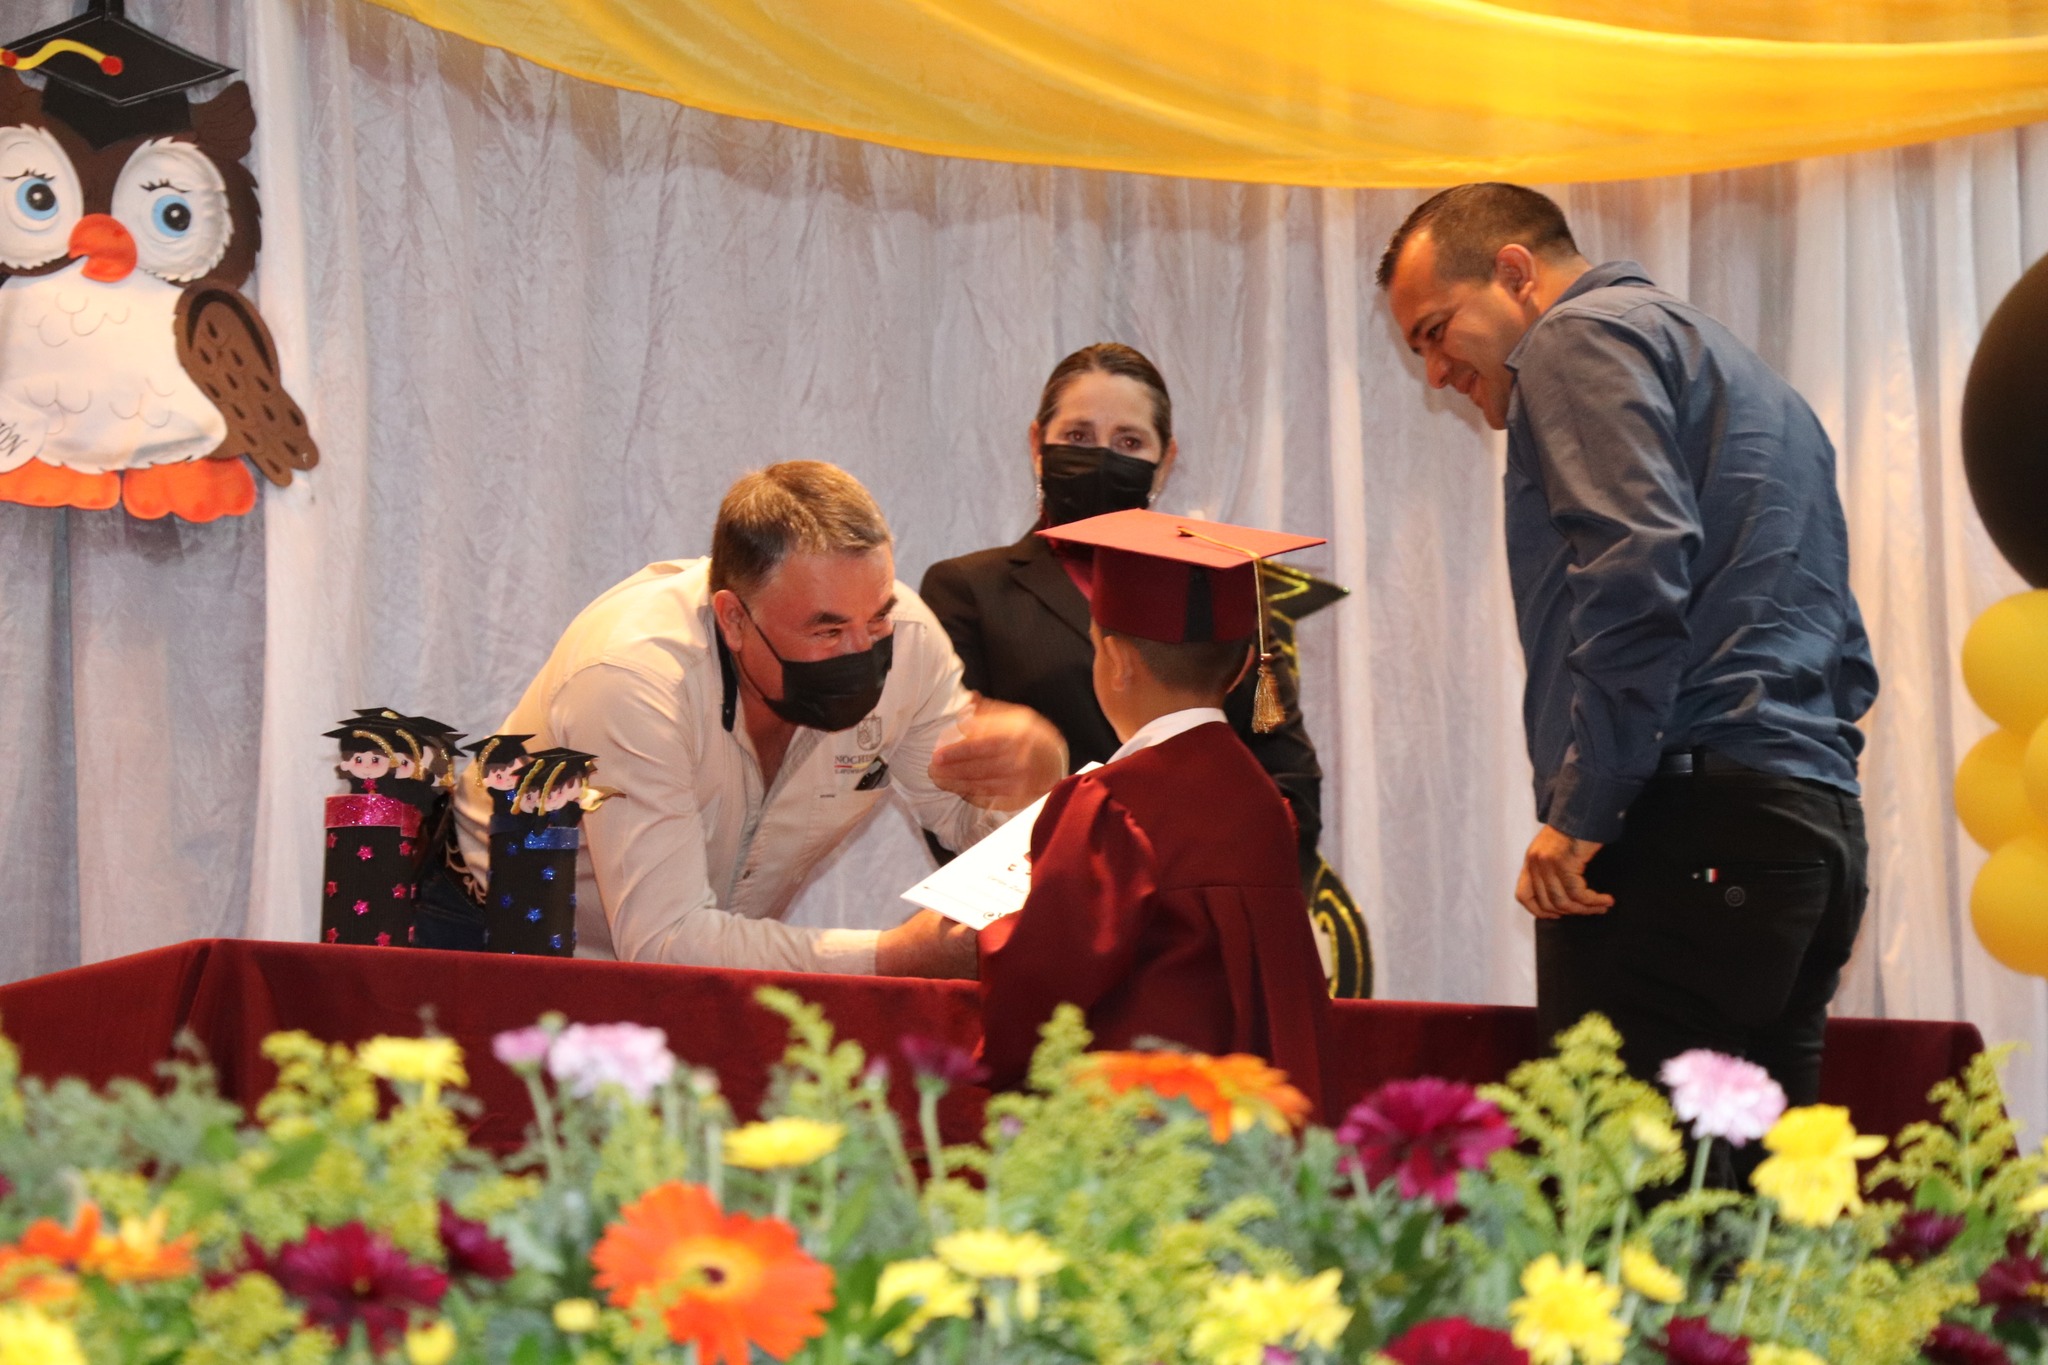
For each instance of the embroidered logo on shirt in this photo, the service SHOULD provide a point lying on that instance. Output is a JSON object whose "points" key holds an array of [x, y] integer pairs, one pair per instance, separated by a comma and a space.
{"points": [[868, 734]]}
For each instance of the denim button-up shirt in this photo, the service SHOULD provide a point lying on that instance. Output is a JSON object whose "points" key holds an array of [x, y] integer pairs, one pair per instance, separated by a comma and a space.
{"points": [[1678, 556]]}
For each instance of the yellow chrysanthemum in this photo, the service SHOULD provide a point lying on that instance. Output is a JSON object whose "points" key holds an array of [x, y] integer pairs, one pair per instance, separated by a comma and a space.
{"points": [[1649, 1277], [1768, 1354], [2037, 1202], [576, 1315], [1241, 1316], [1654, 1135], [1566, 1312], [992, 1254], [427, 1062], [1811, 1172], [433, 1344], [928, 1283], [28, 1337], [780, 1143]]}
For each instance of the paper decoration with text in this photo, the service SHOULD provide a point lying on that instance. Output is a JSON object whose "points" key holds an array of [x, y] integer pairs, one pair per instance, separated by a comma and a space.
{"points": [[132, 369]]}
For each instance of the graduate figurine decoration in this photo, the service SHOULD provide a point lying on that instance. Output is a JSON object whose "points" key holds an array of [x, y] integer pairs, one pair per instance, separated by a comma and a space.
{"points": [[530, 906], [373, 837], [132, 369]]}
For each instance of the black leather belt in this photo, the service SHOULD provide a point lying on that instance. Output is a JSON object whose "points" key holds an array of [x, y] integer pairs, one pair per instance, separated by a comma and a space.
{"points": [[1682, 761]]}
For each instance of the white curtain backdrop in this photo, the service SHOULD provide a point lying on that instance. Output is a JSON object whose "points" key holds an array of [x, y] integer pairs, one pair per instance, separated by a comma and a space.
{"points": [[540, 325]]}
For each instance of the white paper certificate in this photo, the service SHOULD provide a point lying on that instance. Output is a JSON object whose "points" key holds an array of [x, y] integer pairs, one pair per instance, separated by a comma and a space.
{"points": [[989, 880]]}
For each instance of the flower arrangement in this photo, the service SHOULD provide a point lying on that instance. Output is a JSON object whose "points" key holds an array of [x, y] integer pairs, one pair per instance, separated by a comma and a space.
{"points": [[1133, 1209]]}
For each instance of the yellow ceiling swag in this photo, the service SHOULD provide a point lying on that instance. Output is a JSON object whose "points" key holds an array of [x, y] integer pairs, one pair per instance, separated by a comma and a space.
{"points": [[1314, 92]]}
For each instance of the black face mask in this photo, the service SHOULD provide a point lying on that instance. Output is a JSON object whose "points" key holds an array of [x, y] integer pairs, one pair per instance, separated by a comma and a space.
{"points": [[1077, 482], [829, 694]]}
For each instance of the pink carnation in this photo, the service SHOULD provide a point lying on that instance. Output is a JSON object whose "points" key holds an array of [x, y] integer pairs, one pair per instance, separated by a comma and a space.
{"points": [[522, 1046], [632, 1057], [1722, 1096], [1425, 1131]]}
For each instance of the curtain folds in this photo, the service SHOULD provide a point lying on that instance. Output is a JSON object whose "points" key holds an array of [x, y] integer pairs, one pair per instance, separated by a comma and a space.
{"points": [[1314, 92], [539, 325]]}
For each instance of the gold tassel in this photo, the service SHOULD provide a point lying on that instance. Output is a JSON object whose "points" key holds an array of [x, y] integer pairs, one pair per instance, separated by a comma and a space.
{"points": [[1267, 713]]}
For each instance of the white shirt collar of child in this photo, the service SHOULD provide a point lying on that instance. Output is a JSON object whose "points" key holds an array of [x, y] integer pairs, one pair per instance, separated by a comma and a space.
{"points": [[1162, 728]]}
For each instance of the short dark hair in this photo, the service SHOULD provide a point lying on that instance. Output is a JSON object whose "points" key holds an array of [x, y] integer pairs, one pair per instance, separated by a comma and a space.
{"points": [[1471, 223], [798, 506], [1202, 667], [1109, 357]]}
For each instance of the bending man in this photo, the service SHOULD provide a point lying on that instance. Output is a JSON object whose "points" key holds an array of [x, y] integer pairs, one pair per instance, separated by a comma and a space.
{"points": [[751, 709]]}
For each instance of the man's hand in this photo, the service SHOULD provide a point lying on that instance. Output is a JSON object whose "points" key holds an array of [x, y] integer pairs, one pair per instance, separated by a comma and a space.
{"points": [[1553, 880], [1006, 758], [928, 944]]}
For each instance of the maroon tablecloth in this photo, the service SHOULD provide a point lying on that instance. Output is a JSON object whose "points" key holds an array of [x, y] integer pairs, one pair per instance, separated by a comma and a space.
{"points": [[119, 1018]]}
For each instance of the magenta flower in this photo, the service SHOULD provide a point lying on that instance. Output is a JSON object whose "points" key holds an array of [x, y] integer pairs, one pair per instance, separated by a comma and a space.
{"points": [[1455, 1341], [1921, 1235], [348, 1275], [1425, 1131], [935, 1061], [2016, 1286], [1722, 1096], [522, 1046], [1689, 1341], [1951, 1343], [471, 1248], [630, 1056]]}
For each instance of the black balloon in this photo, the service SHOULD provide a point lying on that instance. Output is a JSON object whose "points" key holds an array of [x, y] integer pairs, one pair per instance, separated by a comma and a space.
{"points": [[2005, 426]]}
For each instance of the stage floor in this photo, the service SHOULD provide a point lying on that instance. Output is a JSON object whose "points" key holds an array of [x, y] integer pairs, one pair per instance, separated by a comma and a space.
{"points": [[119, 1018]]}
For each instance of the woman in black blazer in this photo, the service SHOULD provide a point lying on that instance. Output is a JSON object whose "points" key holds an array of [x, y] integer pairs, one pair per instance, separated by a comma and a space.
{"points": [[1102, 442]]}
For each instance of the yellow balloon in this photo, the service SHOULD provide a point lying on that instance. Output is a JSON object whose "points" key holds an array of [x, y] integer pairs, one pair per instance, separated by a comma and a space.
{"points": [[2005, 661], [2009, 904], [2034, 772], [1991, 796]]}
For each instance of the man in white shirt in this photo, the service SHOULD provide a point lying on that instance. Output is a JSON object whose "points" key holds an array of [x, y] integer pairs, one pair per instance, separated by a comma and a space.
{"points": [[750, 710]]}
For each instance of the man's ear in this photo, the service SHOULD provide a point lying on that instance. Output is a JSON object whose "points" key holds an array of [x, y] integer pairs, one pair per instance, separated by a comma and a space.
{"points": [[727, 611], [1514, 268]]}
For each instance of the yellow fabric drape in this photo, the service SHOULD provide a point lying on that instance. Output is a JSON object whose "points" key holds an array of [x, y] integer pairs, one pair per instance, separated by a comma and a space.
{"points": [[1321, 92]]}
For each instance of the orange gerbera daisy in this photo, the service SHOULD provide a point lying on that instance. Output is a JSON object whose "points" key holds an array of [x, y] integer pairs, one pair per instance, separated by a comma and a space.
{"points": [[136, 1251], [722, 1280], [31, 1279], [1235, 1092]]}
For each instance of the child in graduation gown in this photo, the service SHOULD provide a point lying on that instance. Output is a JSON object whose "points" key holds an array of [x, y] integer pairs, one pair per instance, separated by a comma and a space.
{"points": [[1165, 895]]}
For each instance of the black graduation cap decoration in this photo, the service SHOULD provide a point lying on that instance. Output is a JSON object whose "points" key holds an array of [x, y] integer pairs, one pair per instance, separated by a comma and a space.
{"points": [[111, 79]]}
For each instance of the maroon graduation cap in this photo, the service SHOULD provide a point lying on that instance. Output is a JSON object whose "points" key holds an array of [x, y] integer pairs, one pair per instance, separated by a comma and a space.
{"points": [[1180, 580]]}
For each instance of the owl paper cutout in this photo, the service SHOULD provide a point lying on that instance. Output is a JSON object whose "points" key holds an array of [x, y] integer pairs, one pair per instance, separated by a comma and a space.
{"points": [[132, 370]]}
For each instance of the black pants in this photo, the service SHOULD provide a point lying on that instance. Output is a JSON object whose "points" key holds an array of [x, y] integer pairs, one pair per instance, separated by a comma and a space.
{"points": [[1737, 896]]}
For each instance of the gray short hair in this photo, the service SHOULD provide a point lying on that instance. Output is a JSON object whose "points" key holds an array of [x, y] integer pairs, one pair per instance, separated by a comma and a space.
{"points": [[796, 507]]}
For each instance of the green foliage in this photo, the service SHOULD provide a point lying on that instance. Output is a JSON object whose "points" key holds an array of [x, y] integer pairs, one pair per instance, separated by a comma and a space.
{"points": [[1132, 1218]]}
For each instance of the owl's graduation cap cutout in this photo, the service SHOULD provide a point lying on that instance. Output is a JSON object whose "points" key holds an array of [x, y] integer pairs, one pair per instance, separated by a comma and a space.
{"points": [[111, 79], [1179, 580]]}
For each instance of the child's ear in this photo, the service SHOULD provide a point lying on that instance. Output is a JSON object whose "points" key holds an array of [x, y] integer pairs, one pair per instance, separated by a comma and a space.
{"points": [[1122, 661]]}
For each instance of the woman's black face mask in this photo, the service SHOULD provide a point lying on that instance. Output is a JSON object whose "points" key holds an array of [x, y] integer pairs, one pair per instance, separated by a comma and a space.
{"points": [[1077, 482], [829, 694]]}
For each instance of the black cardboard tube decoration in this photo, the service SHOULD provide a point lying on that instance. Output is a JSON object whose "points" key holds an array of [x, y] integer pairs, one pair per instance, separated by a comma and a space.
{"points": [[2005, 426]]}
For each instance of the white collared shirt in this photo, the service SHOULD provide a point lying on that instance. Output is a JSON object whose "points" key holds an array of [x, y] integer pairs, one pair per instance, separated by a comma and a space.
{"points": [[1162, 728], [696, 860]]}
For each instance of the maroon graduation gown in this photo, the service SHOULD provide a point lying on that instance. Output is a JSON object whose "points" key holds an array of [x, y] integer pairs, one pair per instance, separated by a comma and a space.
{"points": [[1165, 902]]}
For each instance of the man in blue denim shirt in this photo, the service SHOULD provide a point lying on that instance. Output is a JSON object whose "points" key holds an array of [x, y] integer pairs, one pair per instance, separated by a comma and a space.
{"points": [[1696, 661]]}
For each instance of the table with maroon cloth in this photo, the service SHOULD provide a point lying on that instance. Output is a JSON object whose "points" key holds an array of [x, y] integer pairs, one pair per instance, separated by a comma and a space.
{"points": [[119, 1018]]}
